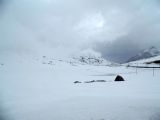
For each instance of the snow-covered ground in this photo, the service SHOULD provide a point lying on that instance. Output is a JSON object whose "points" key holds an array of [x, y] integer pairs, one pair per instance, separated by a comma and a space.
{"points": [[34, 88], [144, 62]]}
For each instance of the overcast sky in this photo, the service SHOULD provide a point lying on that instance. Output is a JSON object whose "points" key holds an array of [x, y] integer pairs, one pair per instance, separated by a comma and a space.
{"points": [[117, 29]]}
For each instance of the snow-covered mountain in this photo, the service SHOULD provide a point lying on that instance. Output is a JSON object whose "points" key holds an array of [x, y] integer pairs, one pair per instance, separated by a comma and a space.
{"points": [[78, 60], [89, 57], [147, 53], [91, 60]]}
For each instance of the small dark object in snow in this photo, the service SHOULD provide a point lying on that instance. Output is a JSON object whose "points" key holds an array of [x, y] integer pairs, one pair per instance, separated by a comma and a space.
{"points": [[77, 82], [90, 81], [100, 81], [119, 78]]}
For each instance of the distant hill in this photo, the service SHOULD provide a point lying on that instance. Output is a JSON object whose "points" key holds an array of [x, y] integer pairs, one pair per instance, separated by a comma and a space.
{"points": [[91, 60], [147, 53]]}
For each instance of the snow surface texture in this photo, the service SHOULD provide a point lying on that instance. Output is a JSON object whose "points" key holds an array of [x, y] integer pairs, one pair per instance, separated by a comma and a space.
{"points": [[43, 89]]}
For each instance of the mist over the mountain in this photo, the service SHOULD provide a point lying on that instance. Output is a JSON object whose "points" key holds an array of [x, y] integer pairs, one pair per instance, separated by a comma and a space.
{"points": [[117, 29]]}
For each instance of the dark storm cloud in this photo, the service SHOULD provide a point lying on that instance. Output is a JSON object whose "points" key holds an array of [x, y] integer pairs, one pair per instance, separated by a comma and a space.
{"points": [[142, 32], [118, 51], [141, 36]]}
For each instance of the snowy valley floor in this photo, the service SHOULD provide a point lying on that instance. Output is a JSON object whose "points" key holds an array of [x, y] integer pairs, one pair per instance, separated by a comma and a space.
{"points": [[32, 90]]}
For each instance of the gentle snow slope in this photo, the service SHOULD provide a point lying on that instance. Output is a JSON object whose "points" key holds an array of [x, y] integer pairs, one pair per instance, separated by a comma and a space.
{"points": [[33, 90], [145, 62]]}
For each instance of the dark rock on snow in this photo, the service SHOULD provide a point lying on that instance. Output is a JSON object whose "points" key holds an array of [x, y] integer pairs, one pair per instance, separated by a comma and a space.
{"points": [[119, 78], [100, 81], [77, 82], [89, 81]]}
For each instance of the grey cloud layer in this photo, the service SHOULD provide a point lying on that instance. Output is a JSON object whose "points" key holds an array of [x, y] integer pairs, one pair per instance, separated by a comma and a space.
{"points": [[143, 31], [55, 26]]}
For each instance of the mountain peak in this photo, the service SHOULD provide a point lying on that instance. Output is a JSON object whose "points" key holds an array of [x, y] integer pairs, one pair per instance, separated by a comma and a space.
{"points": [[146, 53]]}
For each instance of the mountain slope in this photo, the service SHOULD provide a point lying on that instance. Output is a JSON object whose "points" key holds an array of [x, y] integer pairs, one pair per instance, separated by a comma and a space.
{"points": [[147, 53], [147, 60], [90, 60]]}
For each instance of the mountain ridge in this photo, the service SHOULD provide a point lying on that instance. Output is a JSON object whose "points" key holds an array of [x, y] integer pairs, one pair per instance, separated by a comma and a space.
{"points": [[144, 54]]}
